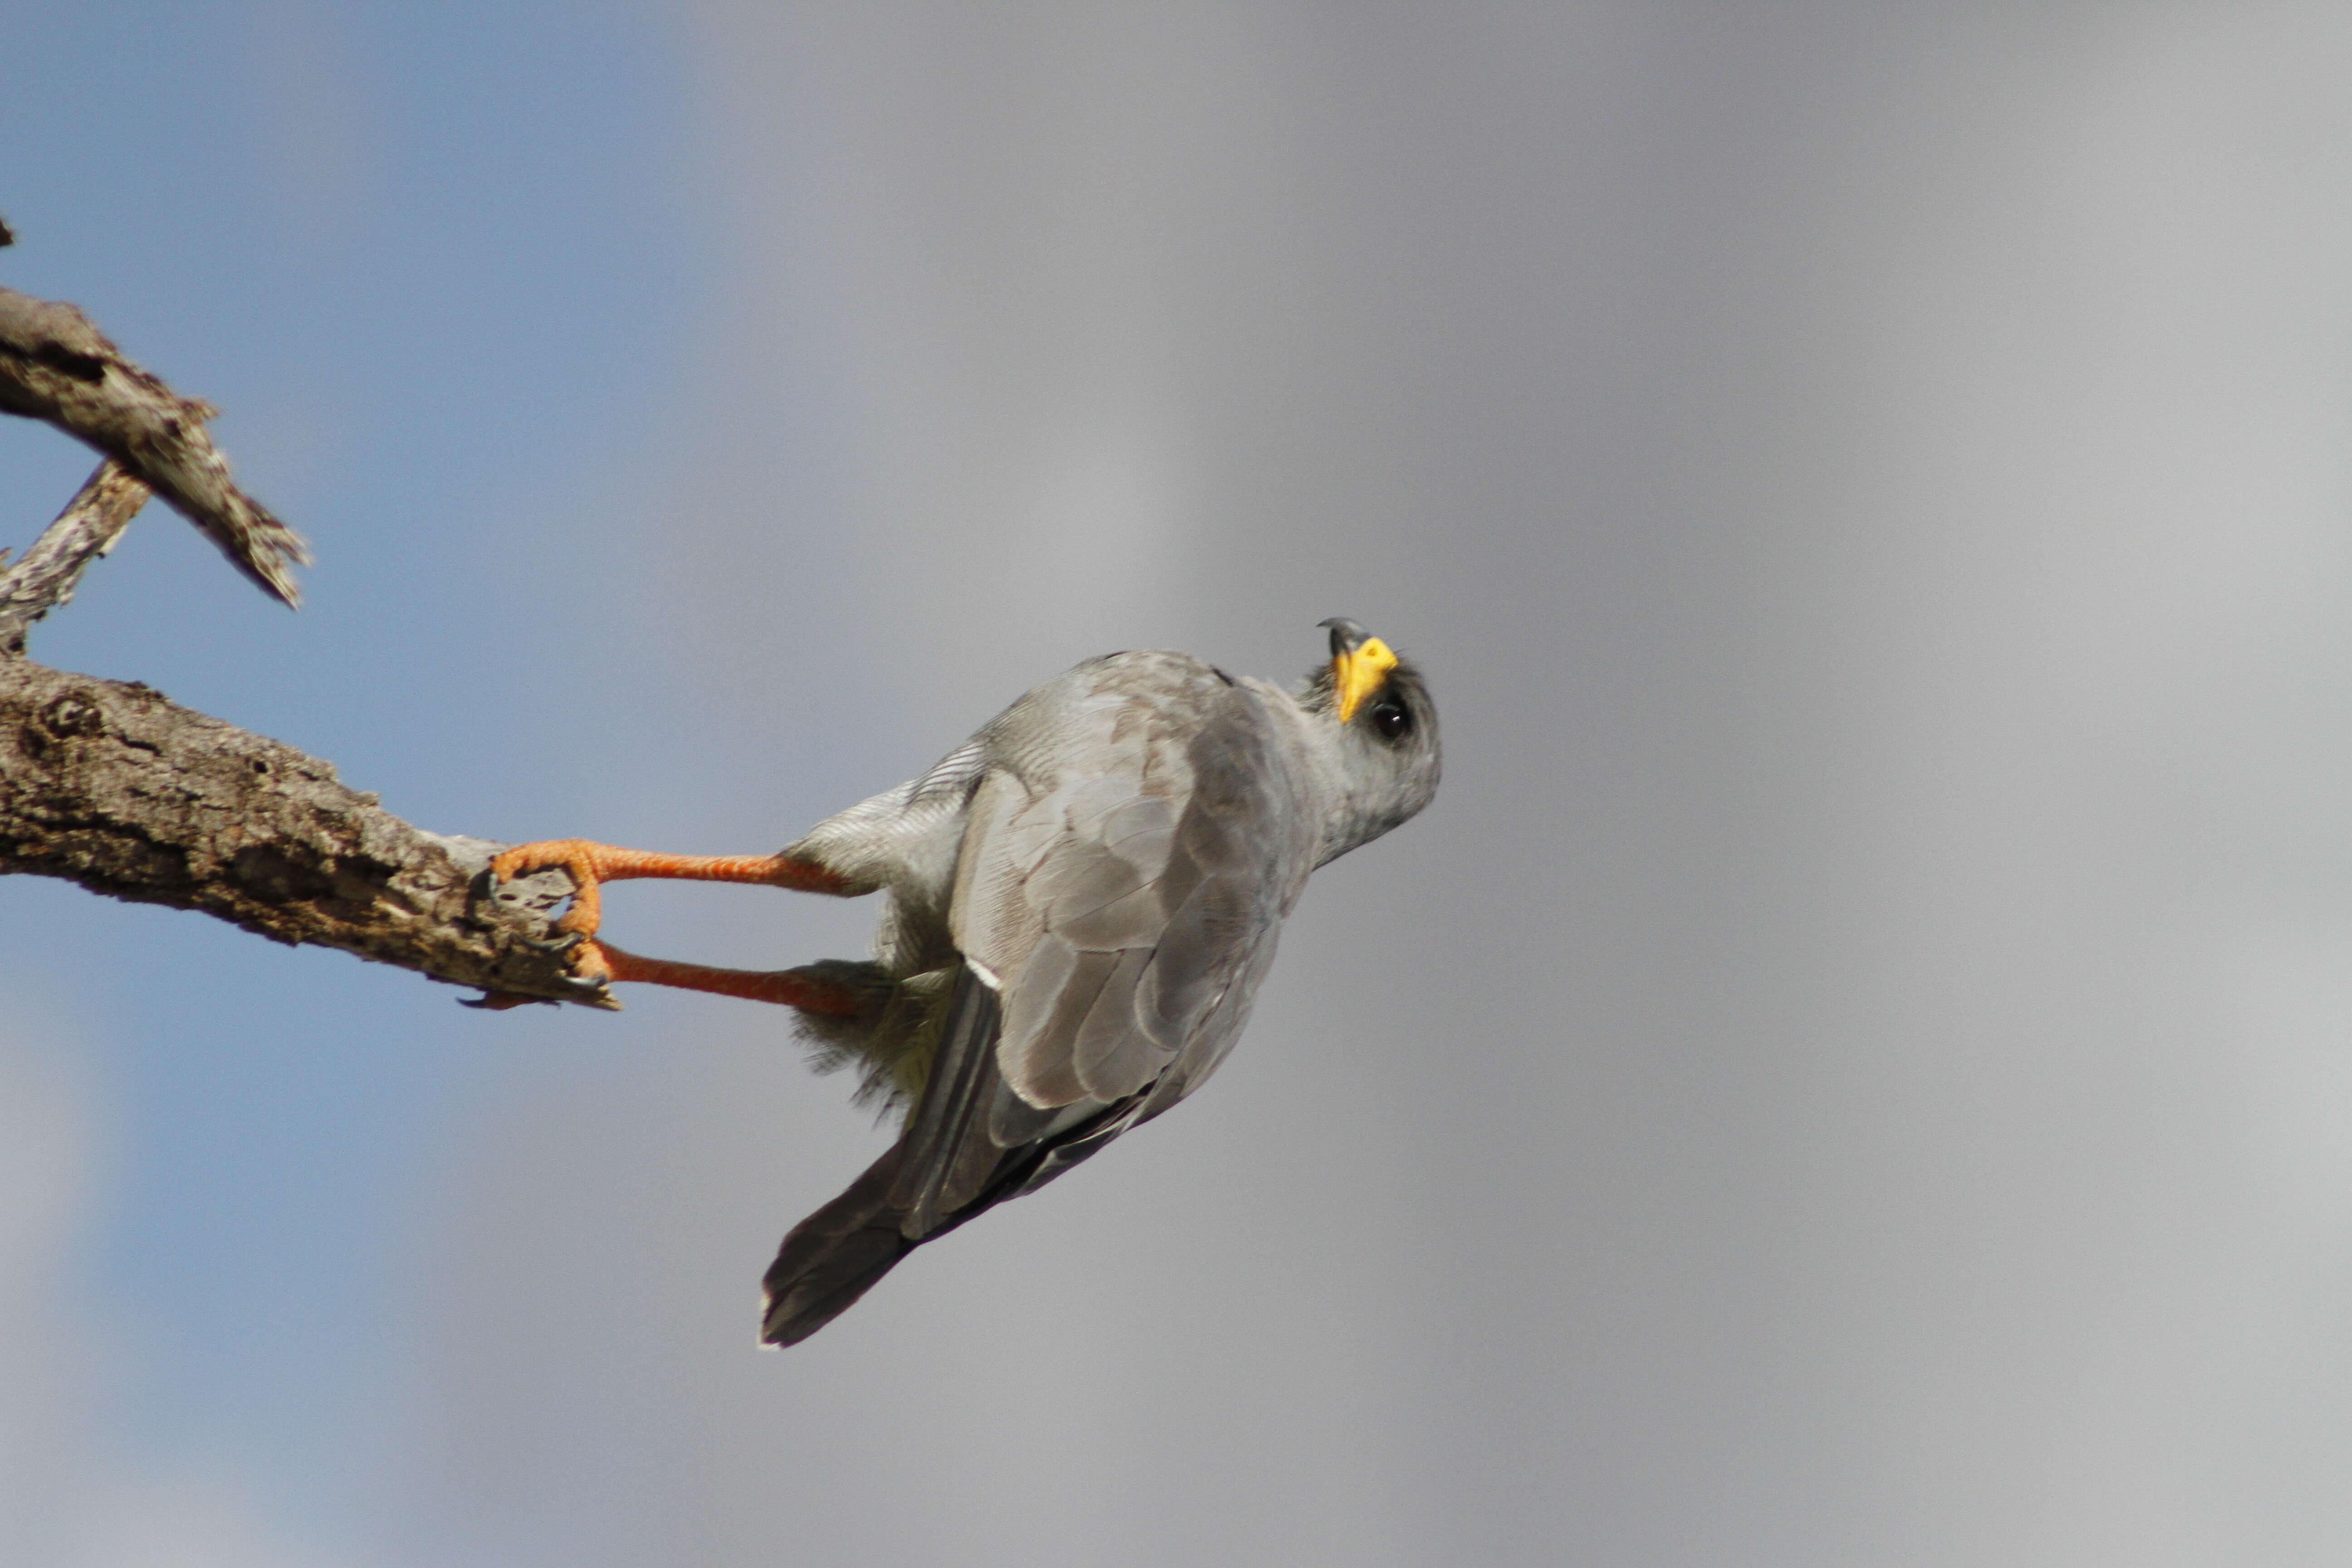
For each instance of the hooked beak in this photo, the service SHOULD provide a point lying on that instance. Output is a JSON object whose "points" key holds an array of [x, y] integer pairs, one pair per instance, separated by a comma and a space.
{"points": [[1360, 662]]}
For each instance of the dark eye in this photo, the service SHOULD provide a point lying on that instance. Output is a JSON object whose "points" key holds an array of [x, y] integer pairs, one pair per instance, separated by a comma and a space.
{"points": [[1390, 719]]}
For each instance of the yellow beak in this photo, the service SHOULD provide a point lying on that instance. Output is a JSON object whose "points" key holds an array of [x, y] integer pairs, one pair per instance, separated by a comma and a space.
{"points": [[1356, 672]]}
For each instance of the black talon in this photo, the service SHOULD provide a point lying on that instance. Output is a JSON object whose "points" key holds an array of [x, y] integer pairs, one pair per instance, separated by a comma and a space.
{"points": [[564, 943]]}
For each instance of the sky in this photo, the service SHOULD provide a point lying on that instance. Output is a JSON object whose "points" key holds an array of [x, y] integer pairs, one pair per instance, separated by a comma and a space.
{"points": [[1854, 1067]]}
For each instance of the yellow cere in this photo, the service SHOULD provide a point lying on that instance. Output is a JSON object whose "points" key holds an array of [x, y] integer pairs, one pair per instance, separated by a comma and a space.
{"points": [[1358, 673]]}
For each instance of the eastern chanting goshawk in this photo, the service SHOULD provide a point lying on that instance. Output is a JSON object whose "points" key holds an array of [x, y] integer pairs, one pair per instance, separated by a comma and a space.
{"points": [[1079, 903]]}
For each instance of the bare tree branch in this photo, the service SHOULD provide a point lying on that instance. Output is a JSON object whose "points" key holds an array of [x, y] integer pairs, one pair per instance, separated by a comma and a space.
{"points": [[115, 788], [86, 529], [55, 366]]}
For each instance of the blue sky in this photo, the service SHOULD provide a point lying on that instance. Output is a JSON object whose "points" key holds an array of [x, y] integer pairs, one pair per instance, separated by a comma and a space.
{"points": [[443, 267]]}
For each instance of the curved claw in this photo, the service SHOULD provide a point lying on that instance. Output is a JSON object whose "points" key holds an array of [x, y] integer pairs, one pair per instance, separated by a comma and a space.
{"points": [[578, 859], [500, 1000], [594, 990], [563, 942], [485, 888]]}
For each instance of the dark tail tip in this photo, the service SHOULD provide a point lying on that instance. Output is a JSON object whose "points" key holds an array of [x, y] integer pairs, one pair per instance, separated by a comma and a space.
{"points": [[835, 1256], [805, 1293]]}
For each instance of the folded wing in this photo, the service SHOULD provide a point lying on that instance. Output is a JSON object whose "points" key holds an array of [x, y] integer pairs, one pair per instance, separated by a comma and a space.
{"points": [[1132, 846]]}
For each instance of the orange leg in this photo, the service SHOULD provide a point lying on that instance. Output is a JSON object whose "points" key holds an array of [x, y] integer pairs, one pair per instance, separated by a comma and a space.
{"points": [[590, 865], [792, 987], [604, 963]]}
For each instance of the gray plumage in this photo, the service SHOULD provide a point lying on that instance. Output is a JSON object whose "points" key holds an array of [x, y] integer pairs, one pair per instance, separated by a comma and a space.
{"points": [[1082, 901]]}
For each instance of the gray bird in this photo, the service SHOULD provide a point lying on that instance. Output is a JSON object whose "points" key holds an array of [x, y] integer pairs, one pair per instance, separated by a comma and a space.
{"points": [[1080, 902]]}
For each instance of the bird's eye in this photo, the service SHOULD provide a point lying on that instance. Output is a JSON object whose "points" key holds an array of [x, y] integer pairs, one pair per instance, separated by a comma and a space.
{"points": [[1390, 719]]}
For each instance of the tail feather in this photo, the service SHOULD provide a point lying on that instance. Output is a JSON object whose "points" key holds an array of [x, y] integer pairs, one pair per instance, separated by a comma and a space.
{"points": [[945, 1168], [835, 1256]]}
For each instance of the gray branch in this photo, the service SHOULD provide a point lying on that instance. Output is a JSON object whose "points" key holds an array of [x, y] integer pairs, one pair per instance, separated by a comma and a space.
{"points": [[86, 529], [113, 787], [117, 789], [55, 366]]}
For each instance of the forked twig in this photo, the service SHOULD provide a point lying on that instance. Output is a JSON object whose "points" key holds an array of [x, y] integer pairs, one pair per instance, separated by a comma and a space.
{"points": [[57, 366], [46, 576]]}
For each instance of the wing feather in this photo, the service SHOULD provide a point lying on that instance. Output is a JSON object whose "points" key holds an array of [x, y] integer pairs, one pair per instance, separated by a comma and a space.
{"points": [[943, 1166], [1111, 1054], [1038, 1053], [1121, 881]]}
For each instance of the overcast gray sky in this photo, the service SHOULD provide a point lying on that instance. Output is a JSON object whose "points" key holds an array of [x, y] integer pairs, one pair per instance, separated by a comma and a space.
{"points": [[1855, 1068]]}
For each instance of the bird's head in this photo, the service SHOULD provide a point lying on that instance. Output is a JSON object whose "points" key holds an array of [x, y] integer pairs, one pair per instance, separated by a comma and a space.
{"points": [[1385, 728]]}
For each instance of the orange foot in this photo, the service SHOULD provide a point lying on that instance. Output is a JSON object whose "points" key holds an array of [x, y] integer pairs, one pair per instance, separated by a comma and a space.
{"points": [[589, 865], [593, 963]]}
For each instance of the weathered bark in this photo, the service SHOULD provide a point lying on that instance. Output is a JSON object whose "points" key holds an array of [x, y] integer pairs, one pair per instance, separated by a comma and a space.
{"points": [[44, 579], [57, 366], [116, 788]]}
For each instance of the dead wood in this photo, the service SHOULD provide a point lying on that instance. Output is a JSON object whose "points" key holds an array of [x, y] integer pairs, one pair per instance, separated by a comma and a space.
{"points": [[57, 366], [118, 789], [115, 788]]}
